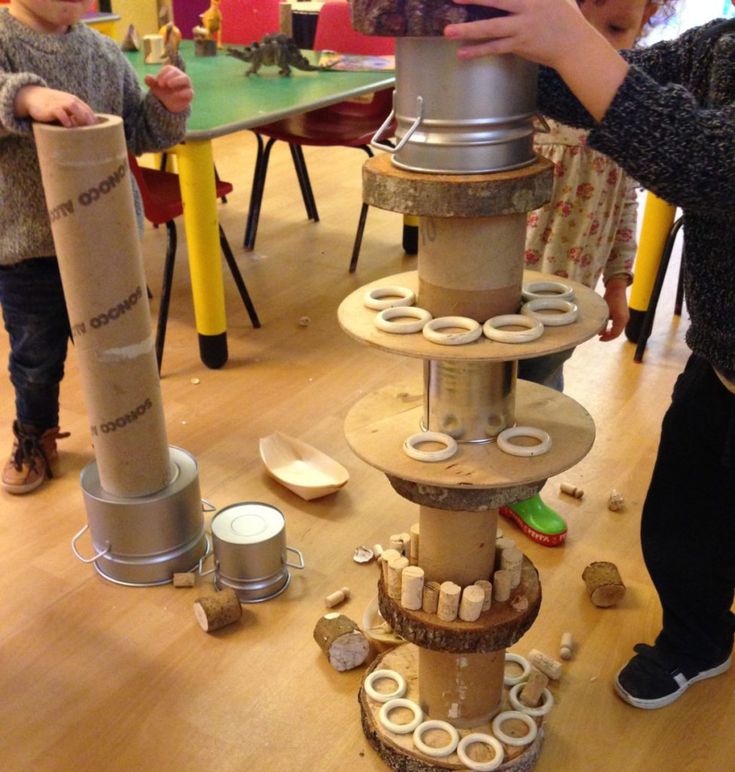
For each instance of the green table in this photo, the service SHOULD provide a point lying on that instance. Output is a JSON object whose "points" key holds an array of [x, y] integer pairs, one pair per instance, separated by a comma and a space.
{"points": [[225, 102]]}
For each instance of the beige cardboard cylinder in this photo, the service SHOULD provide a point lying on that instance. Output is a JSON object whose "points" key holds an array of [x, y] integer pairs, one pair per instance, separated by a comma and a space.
{"points": [[464, 689], [471, 266], [457, 546], [86, 181]]}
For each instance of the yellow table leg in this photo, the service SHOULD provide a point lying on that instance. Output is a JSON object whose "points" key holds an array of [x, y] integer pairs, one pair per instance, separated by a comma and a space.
{"points": [[658, 217], [196, 177]]}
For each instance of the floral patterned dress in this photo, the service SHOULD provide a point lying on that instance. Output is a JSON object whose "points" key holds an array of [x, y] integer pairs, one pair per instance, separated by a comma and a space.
{"points": [[588, 229]]}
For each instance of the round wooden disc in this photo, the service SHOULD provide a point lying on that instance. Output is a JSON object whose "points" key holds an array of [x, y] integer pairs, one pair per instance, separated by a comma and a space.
{"points": [[398, 751], [455, 195], [378, 424], [359, 321], [498, 628]]}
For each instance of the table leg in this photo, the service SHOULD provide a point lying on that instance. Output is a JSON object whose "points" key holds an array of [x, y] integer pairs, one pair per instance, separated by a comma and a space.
{"points": [[196, 177], [658, 217]]}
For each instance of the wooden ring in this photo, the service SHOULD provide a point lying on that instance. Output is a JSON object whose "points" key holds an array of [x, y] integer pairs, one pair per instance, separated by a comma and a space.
{"points": [[569, 311], [399, 691], [379, 298], [401, 702], [472, 330], [485, 739], [507, 715], [429, 750], [525, 669], [383, 320], [541, 710], [410, 449], [545, 289], [526, 451], [534, 328]]}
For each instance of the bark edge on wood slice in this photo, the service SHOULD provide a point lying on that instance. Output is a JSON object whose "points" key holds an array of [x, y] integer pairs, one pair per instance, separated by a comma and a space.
{"points": [[497, 628]]}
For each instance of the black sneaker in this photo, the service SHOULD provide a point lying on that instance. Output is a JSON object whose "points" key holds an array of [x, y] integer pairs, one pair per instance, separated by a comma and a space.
{"points": [[648, 681]]}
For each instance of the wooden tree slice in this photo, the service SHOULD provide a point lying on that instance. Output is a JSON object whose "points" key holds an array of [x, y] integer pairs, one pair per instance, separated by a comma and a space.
{"points": [[604, 585], [398, 751], [342, 641], [497, 628], [219, 610]]}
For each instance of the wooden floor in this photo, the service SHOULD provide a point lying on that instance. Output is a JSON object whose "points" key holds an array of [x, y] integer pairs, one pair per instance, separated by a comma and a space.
{"points": [[96, 676]]}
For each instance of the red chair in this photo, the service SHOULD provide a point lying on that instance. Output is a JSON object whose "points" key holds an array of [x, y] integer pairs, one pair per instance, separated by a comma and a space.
{"points": [[162, 204], [245, 21], [347, 124]]}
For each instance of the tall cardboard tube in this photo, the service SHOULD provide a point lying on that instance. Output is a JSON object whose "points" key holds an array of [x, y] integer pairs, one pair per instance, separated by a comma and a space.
{"points": [[86, 181]]}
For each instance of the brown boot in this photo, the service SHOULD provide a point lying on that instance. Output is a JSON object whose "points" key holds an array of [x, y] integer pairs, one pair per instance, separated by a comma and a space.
{"points": [[31, 458]]}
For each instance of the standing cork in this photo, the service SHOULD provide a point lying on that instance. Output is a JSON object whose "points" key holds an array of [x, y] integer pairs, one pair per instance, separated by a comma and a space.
{"points": [[430, 599], [342, 641], [412, 587], [449, 595], [470, 606], [216, 611], [385, 557], [414, 545], [86, 182], [604, 585], [616, 501], [395, 569], [548, 666], [337, 597], [533, 689], [502, 544], [512, 560], [502, 585], [487, 588]]}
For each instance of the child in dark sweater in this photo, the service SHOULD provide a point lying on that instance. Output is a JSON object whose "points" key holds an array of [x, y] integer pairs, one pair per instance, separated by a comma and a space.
{"points": [[666, 115], [55, 69]]}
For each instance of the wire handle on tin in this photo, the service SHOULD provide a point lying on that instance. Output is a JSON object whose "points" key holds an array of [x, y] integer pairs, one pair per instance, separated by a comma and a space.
{"points": [[378, 136], [76, 552], [301, 563], [207, 506]]}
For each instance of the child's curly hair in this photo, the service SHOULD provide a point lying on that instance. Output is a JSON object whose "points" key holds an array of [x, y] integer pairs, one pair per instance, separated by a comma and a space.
{"points": [[665, 9]]}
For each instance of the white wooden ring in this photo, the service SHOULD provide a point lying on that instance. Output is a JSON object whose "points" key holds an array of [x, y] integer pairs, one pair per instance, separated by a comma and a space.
{"points": [[505, 444], [507, 715], [401, 702], [410, 446], [546, 289], [540, 710], [525, 669], [384, 319], [392, 675], [485, 739], [569, 311], [379, 298], [471, 330], [429, 750], [492, 328]]}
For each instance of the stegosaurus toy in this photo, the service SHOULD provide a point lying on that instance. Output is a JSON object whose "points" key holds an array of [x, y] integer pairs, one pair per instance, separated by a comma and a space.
{"points": [[273, 50]]}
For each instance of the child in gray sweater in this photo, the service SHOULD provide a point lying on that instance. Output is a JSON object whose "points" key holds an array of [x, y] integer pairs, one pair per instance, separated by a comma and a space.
{"points": [[666, 115], [53, 68]]}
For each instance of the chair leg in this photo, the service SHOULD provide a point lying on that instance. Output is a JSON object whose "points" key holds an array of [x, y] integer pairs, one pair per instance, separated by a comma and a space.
{"points": [[679, 301], [358, 238], [256, 193], [239, 281], [168, 275], [647, 325], [299, 162]]}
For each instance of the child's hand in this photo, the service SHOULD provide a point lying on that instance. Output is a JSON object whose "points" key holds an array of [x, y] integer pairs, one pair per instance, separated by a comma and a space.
{"points": [[617, 308], [47, 105], [172, 88]]}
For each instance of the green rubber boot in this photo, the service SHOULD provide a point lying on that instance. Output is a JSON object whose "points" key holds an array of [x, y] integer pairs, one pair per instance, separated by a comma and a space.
{"points": [[537, 520]]}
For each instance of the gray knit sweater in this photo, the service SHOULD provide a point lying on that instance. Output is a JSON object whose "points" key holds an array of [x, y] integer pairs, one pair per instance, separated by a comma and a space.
{"points": [[671, 126], [84, 63]]}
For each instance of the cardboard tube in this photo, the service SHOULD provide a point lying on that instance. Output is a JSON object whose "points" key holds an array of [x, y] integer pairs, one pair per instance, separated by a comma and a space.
{"points": [[86, 180]]}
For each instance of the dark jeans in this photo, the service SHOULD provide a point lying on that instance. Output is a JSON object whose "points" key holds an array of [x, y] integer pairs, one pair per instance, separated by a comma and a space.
{"points": [[35, 317], [547, 370], [688, 525]]}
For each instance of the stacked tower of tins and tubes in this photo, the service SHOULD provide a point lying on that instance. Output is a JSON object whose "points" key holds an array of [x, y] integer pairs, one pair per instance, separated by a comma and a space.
{"points": [[464, 165]]}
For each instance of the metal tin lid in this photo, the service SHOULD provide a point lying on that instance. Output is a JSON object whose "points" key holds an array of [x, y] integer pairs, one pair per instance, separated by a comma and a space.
{"points": [[248, 522]]}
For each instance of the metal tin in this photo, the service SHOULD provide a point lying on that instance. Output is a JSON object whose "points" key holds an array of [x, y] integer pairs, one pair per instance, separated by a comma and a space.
{"points": [[143, 541], [470, 401], [250, 552], [461, 116]]}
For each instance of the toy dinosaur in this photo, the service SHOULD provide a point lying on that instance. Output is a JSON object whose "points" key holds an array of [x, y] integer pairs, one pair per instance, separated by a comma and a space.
{"points": [[277, 49], [211, 24]]}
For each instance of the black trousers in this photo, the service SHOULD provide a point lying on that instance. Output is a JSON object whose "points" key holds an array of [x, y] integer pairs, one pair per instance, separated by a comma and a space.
{"points": [[688, 524]]}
